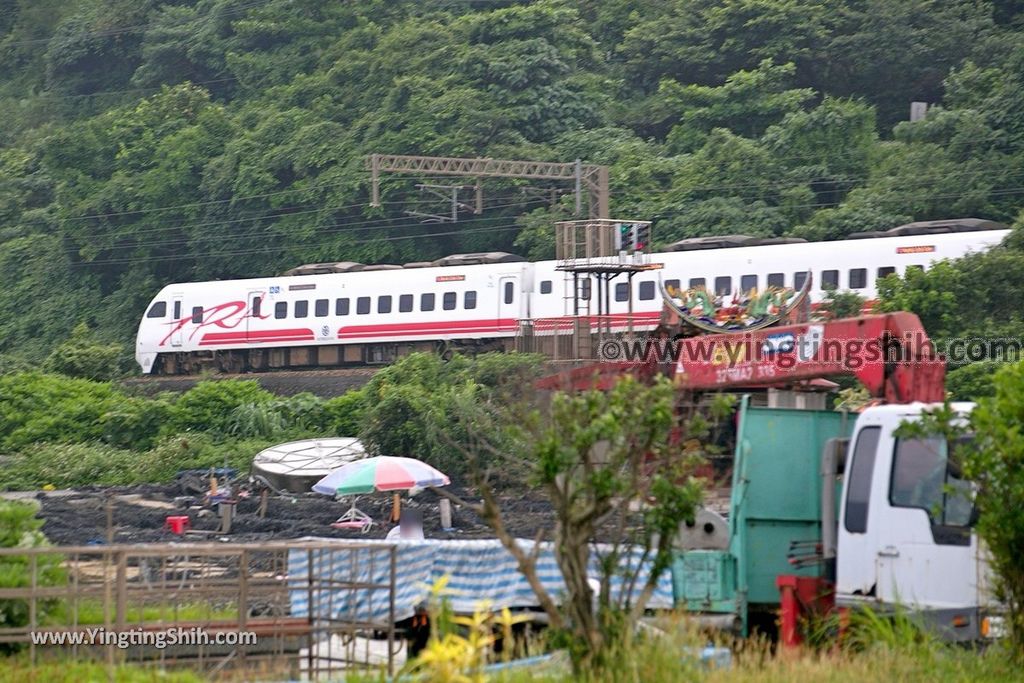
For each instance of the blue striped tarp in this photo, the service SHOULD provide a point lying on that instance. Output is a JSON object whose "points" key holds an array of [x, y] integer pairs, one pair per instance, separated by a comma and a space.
{"points": [[477, 570]]}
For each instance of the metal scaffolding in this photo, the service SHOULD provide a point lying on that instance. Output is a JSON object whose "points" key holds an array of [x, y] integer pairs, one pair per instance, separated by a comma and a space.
{"points": [[586, 177]]}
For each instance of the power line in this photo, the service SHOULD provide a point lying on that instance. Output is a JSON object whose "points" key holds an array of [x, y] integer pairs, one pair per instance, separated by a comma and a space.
{"points": [[330, 228], [121, 30], [131, 233], [246, 252]]}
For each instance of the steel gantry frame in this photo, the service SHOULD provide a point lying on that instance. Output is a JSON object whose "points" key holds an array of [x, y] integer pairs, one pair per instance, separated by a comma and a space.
{"points": [[589, 177]]}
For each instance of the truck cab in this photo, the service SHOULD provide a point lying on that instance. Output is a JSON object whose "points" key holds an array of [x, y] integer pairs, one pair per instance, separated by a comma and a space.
{"points": [[905, 523]]}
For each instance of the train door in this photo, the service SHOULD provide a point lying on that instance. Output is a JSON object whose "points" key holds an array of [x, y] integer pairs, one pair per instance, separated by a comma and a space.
{"points": [[178, 335], [254, 310], [508, 302]]}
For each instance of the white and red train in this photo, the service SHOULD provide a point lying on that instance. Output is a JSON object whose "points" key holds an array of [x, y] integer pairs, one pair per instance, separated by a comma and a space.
{"points": [[328, 315]]}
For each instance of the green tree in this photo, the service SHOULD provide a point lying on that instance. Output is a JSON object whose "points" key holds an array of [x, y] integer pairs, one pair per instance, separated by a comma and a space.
{"points": [[994, 460], [596, 456], [839, 304], [747, 103]]}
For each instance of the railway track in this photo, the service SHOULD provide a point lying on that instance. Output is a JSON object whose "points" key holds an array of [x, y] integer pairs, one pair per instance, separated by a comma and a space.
{"points": [[323, 383]]}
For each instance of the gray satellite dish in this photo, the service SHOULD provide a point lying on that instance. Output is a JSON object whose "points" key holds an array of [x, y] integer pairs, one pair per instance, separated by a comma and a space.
{"points": [[297, 465]]}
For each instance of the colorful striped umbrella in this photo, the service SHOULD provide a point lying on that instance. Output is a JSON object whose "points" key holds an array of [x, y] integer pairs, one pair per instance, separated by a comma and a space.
{"points": [[383, 473]]}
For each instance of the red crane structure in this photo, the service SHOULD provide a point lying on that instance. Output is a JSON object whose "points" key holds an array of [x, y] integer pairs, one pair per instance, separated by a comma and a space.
{"points": [[889, 353]]}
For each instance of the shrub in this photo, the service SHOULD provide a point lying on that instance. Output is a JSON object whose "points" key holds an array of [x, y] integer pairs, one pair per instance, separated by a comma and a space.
{"points": [[198, 451], [85, 357], [208, 406], [344, 415], [256, 419], [136, 422], [302, 411], [69, 464], [20, 528], [37, 407]]}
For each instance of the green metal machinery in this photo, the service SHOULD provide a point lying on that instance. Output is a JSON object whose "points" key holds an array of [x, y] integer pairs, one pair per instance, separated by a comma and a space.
{"points": [[775, 501]]}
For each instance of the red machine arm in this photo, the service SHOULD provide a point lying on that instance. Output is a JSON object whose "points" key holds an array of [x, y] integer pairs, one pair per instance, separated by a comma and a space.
{"points": [[890, 354]]}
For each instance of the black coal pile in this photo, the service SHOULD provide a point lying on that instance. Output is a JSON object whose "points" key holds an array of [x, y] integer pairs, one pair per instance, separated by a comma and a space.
{"points": [[137, 514]]}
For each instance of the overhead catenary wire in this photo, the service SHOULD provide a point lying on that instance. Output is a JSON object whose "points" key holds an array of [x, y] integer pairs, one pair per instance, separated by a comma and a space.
{"points": [[135, 28], [290, 211], [268, 229], [247, 252]]}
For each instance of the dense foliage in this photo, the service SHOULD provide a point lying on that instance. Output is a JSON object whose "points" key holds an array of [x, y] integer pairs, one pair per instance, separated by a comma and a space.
{"points": [[997, 464], [157, 141], [65, 431], [972, 308], [19, 528], [994, 460]]}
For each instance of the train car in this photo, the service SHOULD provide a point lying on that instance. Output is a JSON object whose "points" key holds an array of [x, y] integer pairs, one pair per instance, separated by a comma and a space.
{"points": [[350, 314], [330, 319]]}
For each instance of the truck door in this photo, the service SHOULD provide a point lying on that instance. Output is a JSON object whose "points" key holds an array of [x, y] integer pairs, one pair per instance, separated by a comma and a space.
{"points": [[926, 554], [855, 562], [254, 314], [177, 311]]}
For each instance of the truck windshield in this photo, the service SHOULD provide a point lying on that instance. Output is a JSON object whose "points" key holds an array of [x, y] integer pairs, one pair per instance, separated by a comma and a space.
{"points": [[924, 476]]}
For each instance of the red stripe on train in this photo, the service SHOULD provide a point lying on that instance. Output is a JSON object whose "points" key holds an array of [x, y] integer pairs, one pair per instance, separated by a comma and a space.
{"points": [[214, 338], [419, 329]]}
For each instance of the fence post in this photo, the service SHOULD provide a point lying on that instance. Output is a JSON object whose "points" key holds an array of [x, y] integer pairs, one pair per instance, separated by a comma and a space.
{"points": [[122, 588], [32, 616], [243, 600]]}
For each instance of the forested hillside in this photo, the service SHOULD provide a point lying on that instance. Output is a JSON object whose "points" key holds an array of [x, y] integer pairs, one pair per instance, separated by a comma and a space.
{"points": [[144, 141]]}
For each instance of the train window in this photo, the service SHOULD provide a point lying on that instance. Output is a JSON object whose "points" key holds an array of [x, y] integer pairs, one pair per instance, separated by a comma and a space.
{"points": [[281, 309], [405, 303], [748, 282], [301, 309], [510, 292], [384, 304], [829, 278], [673, 284], [257, 306], [584, 290], [647, 290], [858, 278], [448, 301], [157, 310], [197, 314], [362, 305], [697, 282], [799, 279], [426, 302], [545, 286], [622, 291], [469, 300], [723, 285], [177, 310], [341, 306], [776, 279], [322, 308], [885, 270]]}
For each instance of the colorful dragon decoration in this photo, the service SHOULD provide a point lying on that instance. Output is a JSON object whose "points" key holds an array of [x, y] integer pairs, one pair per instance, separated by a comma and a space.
{"points": [[748, 311]]}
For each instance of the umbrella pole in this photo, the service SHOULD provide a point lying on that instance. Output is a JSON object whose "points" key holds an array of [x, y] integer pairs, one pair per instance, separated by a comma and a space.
{"points": [[396, 507]]}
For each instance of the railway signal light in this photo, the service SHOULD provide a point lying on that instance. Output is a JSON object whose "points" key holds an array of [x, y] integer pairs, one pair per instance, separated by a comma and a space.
{"points": [[642, 236], [624, 238]]}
